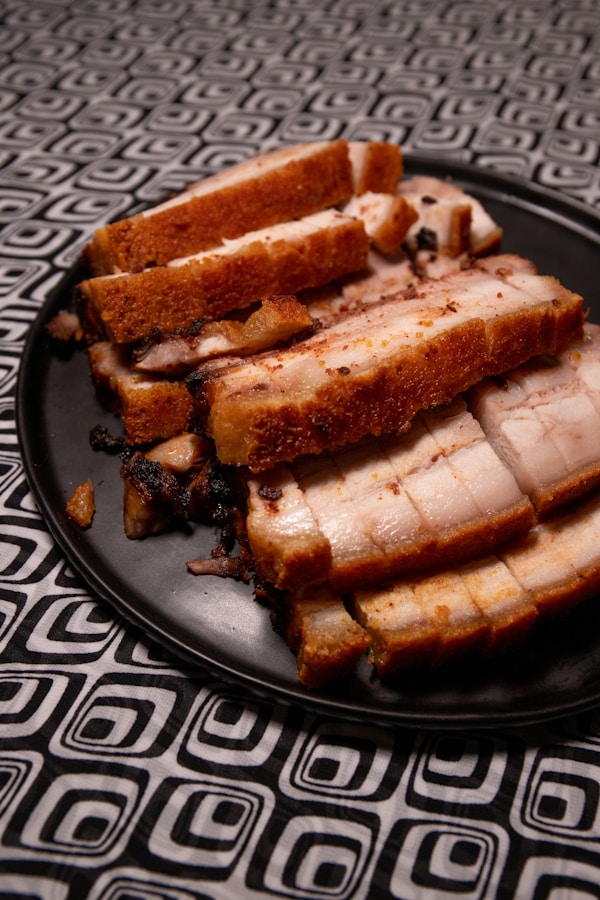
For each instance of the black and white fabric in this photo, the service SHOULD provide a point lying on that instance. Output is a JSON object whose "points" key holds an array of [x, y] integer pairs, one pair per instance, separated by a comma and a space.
{"points": [[125, 772]]}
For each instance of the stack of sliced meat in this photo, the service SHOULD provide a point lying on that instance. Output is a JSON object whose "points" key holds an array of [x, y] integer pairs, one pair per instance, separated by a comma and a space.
{"points": [[408, 415]]}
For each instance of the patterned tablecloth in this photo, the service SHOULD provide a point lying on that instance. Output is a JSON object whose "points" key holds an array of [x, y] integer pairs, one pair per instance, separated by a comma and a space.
{"points": [[124, 772]]}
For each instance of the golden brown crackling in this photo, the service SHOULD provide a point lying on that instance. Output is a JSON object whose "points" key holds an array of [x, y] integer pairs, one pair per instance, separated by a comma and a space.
{"points": [[82, 506], [327, 641], [261, 428], [298, 187], [155, 412], [549, 497], [130, 307], [258, 432], [548, 580], [150, 407], [381, 168]]}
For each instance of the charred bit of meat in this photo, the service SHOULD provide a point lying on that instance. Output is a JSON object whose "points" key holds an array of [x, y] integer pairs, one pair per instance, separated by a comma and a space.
{"points": [[102, 441], [222, 566], [427, 239], [154, 499]]}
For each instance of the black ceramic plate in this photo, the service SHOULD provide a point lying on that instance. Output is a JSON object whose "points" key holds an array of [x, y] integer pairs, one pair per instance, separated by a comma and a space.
{"points": [[216, 622]]}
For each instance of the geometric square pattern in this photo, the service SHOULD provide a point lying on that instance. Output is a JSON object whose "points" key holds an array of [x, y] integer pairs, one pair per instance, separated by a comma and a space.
{"points": [[201, 826], [340, 760], [124, 772], [458, 770], [559, 796], [441, 858], [325, 857]]}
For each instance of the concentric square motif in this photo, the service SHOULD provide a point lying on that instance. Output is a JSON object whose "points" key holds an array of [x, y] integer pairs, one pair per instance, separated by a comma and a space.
{"points": [[427, 860], [559, 798], [203, 826], [458, 769], [316, 856], [76, 818], [344, 761], [226, 729]]}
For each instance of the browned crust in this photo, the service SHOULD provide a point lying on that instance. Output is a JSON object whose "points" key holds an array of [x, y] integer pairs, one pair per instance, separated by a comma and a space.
{"points": [[547, 328], [382, 169], [259, 433], [155, 412], [548, 498], [130, 307], [390, 234], [459, 233], [403, 650], [401, 640], [508, 631], [490, 243], [325, 650], [298, 188], [151, 408], [82, 506]]}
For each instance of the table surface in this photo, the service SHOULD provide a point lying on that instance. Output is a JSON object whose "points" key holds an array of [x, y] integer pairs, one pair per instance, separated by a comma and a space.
{"points": [[124, 771]]}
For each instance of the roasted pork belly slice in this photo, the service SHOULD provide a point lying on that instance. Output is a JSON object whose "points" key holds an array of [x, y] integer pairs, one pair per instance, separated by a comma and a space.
{"points": [[151, 408], [376, 166], [431, 620], [478, 607], [460, 625], [543, 420], [503, 602], [372, 371], [402, 633], [484, 234], [386, 217], [283, 259], [558, 561], [542, 574], [327, 641], [286, 539], [274, 187], [386, 506], [278, 319], [440, 225]]}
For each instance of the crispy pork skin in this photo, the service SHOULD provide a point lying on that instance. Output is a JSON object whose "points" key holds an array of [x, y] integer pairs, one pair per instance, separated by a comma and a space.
{"points": [[151, 408], [387, 219], [274, 187], [376, 166], [458, 220], [281, 260], [327, 641], [81, 507], [372, 371]]}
